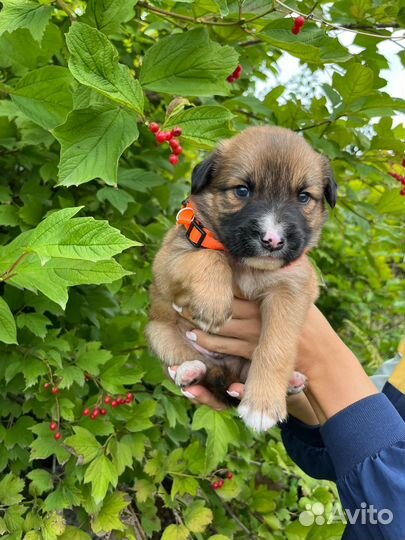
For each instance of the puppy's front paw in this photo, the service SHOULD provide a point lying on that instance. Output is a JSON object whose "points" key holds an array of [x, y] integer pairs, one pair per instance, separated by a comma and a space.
{"points": [[211, 315], [191, 372], [261, 414]]}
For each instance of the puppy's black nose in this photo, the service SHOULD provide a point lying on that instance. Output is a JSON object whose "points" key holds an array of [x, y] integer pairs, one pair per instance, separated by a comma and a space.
{"points": [[272, 242]]}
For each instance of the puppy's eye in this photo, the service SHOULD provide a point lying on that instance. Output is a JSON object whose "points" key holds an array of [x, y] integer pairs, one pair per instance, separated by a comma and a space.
{"points": [[242, 192], [304, 197]]}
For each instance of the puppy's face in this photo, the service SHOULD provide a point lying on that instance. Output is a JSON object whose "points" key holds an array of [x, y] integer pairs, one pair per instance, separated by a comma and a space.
{"points": [[262, 193]]}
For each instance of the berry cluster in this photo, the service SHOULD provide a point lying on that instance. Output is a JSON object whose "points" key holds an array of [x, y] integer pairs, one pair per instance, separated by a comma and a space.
{"points": [[235, 75], [399, 178], [108, 400], [53, 426], [218, 484], [298, 24], [169, 137], [54, 389]]}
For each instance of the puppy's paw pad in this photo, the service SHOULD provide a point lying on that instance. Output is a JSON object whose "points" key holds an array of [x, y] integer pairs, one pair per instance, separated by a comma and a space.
{"points": [[297, 383], [256, 419], [189, 373]]}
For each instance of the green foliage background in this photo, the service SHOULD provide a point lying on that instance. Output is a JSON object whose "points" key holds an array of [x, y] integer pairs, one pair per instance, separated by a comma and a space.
{"points": [[79, 83]]}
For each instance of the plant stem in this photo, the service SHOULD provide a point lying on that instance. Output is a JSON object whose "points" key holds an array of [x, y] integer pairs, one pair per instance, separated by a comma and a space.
{"points": [[64, 7], [8, 274]]}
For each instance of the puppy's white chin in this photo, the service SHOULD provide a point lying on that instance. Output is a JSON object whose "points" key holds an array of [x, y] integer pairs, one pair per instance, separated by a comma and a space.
{"points": [[263, 263]]}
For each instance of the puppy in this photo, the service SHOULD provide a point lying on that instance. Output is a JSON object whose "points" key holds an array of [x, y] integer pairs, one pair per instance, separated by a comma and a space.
{"points": [[256, 208]]}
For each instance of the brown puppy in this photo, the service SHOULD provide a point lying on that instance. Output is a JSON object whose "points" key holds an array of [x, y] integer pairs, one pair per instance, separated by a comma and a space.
{"points": [[262, 195]]}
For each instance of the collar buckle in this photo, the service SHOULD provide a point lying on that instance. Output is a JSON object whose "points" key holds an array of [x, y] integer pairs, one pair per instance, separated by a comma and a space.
{"points": [[195, 225]]}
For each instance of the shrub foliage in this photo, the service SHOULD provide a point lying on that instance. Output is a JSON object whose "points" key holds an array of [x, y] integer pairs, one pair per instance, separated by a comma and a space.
{"points": [[86, 195]]}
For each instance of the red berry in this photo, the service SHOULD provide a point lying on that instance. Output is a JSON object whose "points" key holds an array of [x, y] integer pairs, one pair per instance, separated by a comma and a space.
{"points": [[161, 137], [220, 483], [114, 403], [403, 163], [47, 385], [177, 131], [107, 400], [231, 79], [178, 150], [86, 412], [55, 390], [403, 181], [53, 426], [214, 485], [173, 159], [58, 436], [103, 412], [95, 414], [296, 30], [238, 71], [130, 396], [229, 476], [402, 192], [154, 127], [121, 401], [174, 143], [299, 21], [169, 136]]}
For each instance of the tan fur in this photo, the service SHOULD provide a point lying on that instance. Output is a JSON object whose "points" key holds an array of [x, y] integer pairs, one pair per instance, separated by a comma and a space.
{"points": [[205, 281]]}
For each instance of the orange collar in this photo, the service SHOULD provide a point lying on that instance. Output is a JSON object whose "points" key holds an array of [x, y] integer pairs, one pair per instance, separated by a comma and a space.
{"points": [[198, 235]]}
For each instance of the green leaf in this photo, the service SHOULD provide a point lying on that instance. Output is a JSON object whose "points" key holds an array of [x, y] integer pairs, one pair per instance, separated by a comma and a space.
{"points": [[175, 532], [121, 454], [189, 64], [100, 473], [41, 481], [144, 489], [84, 444], [197, 517], [71, 533], [108, 518], [92, 140], [55, 277], [117, 374], [8, 330], [116, 197], [142, 413], [8, 215], [24, 14], [94, 62], [357, 82], [45, 96], [35, 322], [184, 484], [80, 238], [204, 126], [106, 15], [54, 526], [222, 431], [45, 445], [10, 489], [390, 203]]}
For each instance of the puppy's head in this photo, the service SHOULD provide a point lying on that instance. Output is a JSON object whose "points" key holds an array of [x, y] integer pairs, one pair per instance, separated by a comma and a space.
{"points": [[263, 193]]}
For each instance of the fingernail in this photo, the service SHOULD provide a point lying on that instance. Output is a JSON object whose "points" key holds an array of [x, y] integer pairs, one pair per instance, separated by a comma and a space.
{"points": [[232, 393], [188, 394], [191, 336], [177, 308], [172, 373]]}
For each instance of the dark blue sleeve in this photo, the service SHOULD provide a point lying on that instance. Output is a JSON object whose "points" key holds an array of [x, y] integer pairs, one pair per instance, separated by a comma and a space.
{"points": [[366, 444], [306, 448]]}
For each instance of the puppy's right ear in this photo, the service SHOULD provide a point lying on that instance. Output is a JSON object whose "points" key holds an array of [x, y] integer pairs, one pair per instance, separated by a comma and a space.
{"points": [[202, 174]]}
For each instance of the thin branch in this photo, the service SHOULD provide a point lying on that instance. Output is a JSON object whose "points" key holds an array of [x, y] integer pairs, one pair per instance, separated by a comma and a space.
{"points": [[238, 521], [164, 13], [337, 26], [311, 126], [8, 274], [64, 7]]}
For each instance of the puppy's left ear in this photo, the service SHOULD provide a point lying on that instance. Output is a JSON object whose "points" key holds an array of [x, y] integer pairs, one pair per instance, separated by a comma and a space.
{"points": [[331, 186], [202, 174]]}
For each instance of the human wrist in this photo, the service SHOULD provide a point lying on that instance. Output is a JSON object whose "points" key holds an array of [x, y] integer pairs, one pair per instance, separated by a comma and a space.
{"points": [[337, 382]]}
